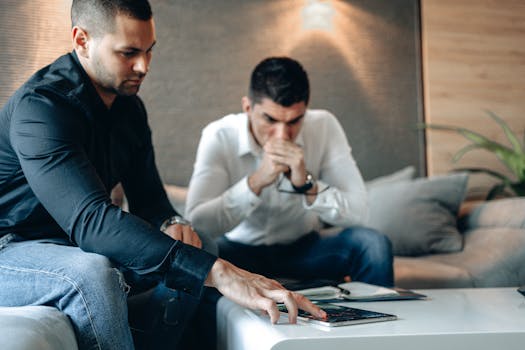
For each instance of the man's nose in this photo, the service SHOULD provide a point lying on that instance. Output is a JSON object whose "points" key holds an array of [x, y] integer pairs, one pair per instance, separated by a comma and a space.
{"points": [[141, 65], [282, 131]]}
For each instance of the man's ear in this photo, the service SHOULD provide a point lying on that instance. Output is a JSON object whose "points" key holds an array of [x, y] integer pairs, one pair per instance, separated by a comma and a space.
{"points": [[246, 104], [80, 41]]}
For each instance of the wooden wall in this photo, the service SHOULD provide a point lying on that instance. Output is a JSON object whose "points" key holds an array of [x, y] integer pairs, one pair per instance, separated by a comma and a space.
{"points": [[473, 60]]}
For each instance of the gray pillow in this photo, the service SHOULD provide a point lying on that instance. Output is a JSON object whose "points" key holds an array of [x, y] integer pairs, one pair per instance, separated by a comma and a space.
{"points": [[407, 173], [419, 216]]}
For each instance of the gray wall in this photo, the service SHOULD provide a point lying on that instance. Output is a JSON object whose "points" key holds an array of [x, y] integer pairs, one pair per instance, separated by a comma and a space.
{"points": [[366, 71]]}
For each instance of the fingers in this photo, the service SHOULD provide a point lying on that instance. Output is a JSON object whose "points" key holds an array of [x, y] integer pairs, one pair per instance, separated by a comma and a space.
{"points": [[258, 292], [185, 234], [285, 153], [291, 305], [294, 302], [305, 304], [269, 306]]}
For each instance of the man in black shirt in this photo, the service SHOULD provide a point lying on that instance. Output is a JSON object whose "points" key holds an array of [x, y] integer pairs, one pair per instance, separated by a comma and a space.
{"points": [[67, 136]]}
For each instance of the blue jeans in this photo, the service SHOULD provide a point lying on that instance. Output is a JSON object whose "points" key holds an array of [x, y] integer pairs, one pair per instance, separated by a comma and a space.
{"points": [[361, 253], [92, 292]]}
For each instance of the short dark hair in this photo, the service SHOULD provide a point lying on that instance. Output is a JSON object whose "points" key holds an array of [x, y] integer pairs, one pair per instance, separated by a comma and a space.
{"points": [[98, 16], [281, 79]]}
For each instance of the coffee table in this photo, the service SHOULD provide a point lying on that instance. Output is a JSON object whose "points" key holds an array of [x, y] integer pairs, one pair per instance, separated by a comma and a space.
{"points": [[477, 318]]}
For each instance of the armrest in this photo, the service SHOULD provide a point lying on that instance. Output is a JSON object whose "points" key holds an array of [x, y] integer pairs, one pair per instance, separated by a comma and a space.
{"points": [[508, 212]]}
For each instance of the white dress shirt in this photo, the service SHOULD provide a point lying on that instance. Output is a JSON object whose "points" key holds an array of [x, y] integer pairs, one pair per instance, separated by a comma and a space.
{"points": [[220, 201]]}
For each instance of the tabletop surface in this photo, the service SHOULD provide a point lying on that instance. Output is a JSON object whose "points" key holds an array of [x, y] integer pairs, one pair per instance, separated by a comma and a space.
{"points": [[499, 311]]}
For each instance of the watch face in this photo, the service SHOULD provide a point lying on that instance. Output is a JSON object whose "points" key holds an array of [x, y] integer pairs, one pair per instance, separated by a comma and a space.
{"points": [[307, 185], [179, 220]]}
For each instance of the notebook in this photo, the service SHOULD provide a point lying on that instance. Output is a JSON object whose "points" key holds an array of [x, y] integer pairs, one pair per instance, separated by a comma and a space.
{"points": [[358, 291]]}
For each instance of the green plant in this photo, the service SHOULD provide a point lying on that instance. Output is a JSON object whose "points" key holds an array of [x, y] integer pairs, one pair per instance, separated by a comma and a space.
{"points": [[512, 157]]}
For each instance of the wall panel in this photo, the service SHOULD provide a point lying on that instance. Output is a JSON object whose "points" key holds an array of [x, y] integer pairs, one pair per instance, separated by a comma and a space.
{"points": [[474, 60], [366, 69]]}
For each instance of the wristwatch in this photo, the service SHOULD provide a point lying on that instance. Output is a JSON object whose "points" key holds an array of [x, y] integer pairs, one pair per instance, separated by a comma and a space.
{"points": [[307, 185], [174, 220]]}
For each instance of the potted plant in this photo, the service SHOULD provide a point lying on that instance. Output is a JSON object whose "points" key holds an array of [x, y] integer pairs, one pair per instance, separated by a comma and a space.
{"points": [[512, 157]]}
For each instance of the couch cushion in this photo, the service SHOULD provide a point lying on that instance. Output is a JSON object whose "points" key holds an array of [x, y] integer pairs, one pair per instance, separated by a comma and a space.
{"points": [[35, 328], [498, 213], [419, 216], [422, 272], [493, 256]]}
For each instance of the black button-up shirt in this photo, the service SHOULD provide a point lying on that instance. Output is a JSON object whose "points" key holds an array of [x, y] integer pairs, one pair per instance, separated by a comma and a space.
{"points": [[61, 153]]}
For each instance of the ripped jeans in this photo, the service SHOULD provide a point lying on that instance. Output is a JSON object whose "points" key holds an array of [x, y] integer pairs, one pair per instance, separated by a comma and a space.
{"points": [[86, 287]]}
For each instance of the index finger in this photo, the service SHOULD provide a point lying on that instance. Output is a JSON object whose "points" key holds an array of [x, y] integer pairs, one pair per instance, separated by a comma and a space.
{"points": [[305, 304]]}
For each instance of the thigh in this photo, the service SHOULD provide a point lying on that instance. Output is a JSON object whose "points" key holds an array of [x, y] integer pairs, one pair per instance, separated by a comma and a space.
{"points": [[248, 257], [324, 257], [38, 272]]}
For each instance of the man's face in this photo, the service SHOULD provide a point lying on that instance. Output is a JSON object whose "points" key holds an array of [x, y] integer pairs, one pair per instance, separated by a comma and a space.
{"points": [[269, 120], [119, 61]]}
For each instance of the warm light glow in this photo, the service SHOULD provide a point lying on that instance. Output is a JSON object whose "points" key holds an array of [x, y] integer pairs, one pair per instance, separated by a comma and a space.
{"points": [[352, 28], [318, 14]]}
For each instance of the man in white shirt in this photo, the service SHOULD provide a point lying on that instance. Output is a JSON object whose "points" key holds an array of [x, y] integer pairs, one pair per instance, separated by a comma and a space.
{"points": [[266, 181]]}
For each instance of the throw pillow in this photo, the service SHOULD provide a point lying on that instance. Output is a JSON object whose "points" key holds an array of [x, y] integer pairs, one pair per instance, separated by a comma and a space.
{"points": [[404, 174], [419, 216]]}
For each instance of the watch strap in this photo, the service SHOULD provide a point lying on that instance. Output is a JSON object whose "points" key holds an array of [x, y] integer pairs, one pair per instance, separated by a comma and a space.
{"points": [[307, 185]]}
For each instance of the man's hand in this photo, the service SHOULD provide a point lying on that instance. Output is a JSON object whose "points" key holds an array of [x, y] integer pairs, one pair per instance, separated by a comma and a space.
{"points": [[184, 233], [280, 156], [258, 292], [289, 154]]}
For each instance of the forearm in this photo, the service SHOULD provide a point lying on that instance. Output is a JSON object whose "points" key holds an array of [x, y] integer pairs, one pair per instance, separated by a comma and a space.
{"points": [[218, 215], [339, 208]]}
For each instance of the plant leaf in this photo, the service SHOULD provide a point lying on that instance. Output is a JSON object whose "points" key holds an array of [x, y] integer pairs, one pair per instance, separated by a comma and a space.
{"points": [[508, 132], [514, 161], [459, 154]]}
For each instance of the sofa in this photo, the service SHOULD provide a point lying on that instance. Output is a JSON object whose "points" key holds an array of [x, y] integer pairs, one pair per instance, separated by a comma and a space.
{"points": [[436, 242], [35, 328], [492, 254], [440, 239]]}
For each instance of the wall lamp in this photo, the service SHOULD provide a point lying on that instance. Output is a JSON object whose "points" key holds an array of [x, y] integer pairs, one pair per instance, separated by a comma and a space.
{"points": [[318, 14]]}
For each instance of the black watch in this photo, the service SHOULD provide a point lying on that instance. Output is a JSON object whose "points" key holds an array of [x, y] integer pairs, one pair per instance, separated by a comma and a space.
{"points": [[174, 220], [307, 185]]}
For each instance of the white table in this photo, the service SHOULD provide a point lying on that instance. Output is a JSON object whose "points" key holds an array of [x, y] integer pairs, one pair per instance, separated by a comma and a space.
{"points": [[484, 318]]}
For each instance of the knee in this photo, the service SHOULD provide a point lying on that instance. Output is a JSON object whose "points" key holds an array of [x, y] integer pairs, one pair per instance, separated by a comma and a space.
{"points": [[370, 240], [96, 270]]}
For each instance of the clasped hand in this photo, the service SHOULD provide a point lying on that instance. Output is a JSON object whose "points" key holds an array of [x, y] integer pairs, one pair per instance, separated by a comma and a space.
{"points": [[280, 156]]}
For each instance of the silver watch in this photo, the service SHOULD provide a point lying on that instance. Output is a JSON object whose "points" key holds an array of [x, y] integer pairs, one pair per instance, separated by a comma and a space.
{"points": [[174, 220]]}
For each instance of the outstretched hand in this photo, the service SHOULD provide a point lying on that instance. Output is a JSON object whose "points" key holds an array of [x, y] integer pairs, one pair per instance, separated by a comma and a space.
{"points": [[258, 292]]}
